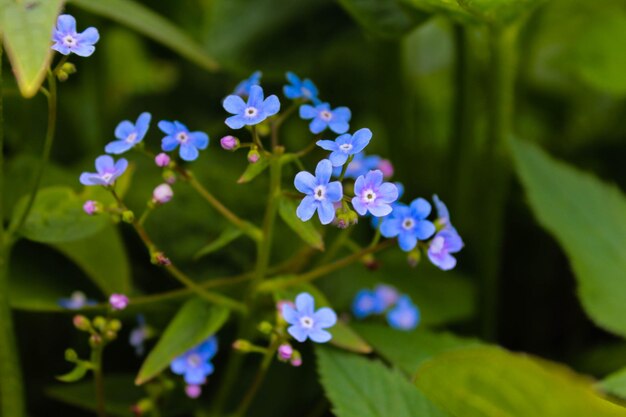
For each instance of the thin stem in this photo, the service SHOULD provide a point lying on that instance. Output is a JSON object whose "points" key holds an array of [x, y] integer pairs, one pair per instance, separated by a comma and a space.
{"points": [[256, 139], [279, 121], [258, 380], [98, 379], [45, 156], [345, 168]]}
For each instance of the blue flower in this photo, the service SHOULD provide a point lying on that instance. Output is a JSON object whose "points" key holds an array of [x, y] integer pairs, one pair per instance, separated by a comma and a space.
{"points": [[386, 296], [304, 89], [252, 112], [320, 193], [361, 164], [405, 315], [243, 88], [77, 300], [108, 171], [323, 117], [67, 40], [129, 135], [178, 134], [306, 322], [365, 304], [409, 224], [139, 335], [195, 364], [373, 195], [346, 145], [443, 215], [445, 242], [377, 220]]}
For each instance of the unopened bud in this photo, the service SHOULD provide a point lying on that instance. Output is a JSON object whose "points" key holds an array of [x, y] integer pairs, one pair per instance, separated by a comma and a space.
{"points": [[162, 160], [110, 335], [128, 216], [169, 176], [296, 359], [193, 391], [253, 156], [114, 325], [229, 143], [371, 262], [285, 352], [413, 258], [71, 355], [265, 327], [162, 194], [242, 345], [118, 301], [92, 207], [81, 323], [386, 167], [95, 340], [159, 258], [99, 323], [142, 407], [346, 217]]}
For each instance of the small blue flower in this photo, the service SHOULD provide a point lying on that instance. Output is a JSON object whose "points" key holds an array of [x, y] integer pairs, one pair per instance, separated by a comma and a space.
{"points": [[252, 112], [409, 224], [139, 335], [178, 134], [377, 220], [445, 242], [405, 315], [386, 296], [195, 364], [108, 171], [373, 195], [320, 193], [306, 322], [346, 145], [243, 88], [323, 117], [361, 164], [77, 300], [67, 40], [443, 215], [129, 134], [365, 304], [304, 89]]}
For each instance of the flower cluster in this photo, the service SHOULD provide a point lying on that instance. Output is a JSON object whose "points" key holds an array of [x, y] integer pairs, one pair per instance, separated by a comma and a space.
{"points": [[195, 365], [399, 310]]}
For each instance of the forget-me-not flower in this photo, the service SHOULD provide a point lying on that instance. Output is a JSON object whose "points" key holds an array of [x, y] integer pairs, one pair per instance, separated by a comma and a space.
{"points": [[320, 193], [243, 88], [252, 112], [107, 171], [129, 134], [178, 135], [139, 335], [386, 295], [361, 164], [323, 117], [306, 322], [404, 315], [67, 40], [445, 242], [346, 145], [373, 195], [76, 301], [303, 89], [409, 224], [366, 303], [195, 364]]}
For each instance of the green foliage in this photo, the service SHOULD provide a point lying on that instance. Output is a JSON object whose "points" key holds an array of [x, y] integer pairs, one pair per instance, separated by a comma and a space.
{"points": [[493, 12], [306, 230], [615, 384], [587, 217], [358, 387], [228, 235], [26, 28], [254, 170], [491, 382], [385, 18], [76, 374], [194, 323]]}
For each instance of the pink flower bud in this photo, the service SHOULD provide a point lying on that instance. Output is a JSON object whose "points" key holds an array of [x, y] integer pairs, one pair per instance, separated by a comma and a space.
{"points": [[229, 143], [296, 359], [285, 351], [90, 207], [162, 194], [386, 167], [253, 156], [162, 160], [193, 391], [118, 301]]}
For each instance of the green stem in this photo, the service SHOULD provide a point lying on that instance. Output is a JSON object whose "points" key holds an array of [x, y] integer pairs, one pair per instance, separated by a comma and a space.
{"points": [[280, 120], [258, 380], [98, 378], [345, 168]]}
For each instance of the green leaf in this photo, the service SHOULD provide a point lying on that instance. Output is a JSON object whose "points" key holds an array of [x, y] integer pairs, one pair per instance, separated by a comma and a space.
{"points": [[253, 170], [491, 382], [228, 235], [111, 272], [306, 230], [196, 321], [385, 18], [499, 11], [57, 216], [358, 387], [76, 374], [449, 8], [615, 384], [138, 17], [27, 27], [408, 350], [588, 218]]}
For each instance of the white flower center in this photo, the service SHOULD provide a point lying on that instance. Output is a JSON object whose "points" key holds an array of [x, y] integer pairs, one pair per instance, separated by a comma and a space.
{"points": [[320, 193], [107, 176], [131, 138], [194, 360], [346, 147], [326, 115], [408, 223], [69, 41], [306, 322], [436, 246], [251, 111], [182, 137], [369, 196]]}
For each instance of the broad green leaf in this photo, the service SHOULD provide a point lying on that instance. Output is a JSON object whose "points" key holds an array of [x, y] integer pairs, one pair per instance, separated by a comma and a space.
{"points": [[195, 322], [491, 382], [103, 259], [385, 18], [57, 216], [228, 235], [27, 27], [253, 170], [76, 374], [140, 18], [358, 387], [306, 230], [408, 350], [615, 384], [588, 218]]}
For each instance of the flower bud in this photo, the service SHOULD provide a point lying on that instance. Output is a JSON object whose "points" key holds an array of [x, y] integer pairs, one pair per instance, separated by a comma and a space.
{"points": [[413, 258], [81, 323], [118, 301], [110, 335], [193, 391], [296, 359], [265, 327], [71, 355], [128, 216], [169, 176], [386, 167], [142, 407], [92, 207], [285, 352], [229, 143], [99, 323], [371, 262], [114, 325], [242, 345], [95, 340], [69, 68], [253, 156], [346, 217], [162, 194], [162, 160], [159, 258]]}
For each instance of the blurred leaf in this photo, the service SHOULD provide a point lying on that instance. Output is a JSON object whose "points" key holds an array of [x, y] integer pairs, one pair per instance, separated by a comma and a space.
{"points": [[57, 216], [385, 18], [76, 374], [306, 230], [449, 8], [408, 350], [615, 384], [228, 235], [148, 23], [27, 27], [358, 387], [491, 382], [196, 321], [103, 259], [253, 170], [588, 218], [499, 11]]}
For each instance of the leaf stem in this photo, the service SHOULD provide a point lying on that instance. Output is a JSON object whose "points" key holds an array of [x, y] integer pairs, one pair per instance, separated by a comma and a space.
{"points": [[258, 380]]}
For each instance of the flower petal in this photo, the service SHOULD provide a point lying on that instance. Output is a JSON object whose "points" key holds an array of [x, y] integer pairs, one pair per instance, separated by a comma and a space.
{"points": [[290, 314], [327, 145], [234, 104], [307, 111], [305, 182], [388, 192], [334, 191], [89, 36], [188, 152], [305, 303], [167, 127], [169, 143], [199, 139], [320, 336], [124, 129], [271, 106], [326, 212], [317, 125], [117, 147], [420, 208], [323, 171], [361, 139], [325, 317], [83, 50], [104, 162], [407, 241], [255, 99], [66, 23], [306, 208], [424, 229], [390, 227], [298, 333], [235, 122]]}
